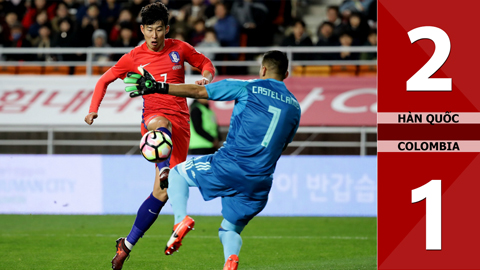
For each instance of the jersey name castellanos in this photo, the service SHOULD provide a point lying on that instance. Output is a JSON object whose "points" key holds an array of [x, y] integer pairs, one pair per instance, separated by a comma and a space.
{"points": [[265, 118]]}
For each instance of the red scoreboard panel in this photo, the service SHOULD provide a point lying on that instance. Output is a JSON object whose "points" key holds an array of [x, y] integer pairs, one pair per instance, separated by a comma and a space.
{"points": [[428, 134]]}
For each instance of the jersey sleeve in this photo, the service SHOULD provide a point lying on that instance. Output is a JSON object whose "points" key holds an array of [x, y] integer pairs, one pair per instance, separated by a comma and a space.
{"points": [[119, 70], [229, 89], [123, 66], [294, 131], [197, 59], [100, 90], [292, 134]]}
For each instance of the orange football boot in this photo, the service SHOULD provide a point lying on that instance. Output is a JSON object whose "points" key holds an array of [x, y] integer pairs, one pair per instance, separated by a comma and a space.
{"points": [[179, 231], [122, 254], [232, 263]]}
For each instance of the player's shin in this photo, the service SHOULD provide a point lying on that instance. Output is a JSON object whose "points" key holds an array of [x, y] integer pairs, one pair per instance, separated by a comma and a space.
{"points": [[178, 192], [165, 163], [146, 216], [230, 237], [164, 166]]}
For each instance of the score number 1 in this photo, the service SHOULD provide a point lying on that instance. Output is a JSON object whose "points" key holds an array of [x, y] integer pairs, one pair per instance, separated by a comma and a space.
{"points": [[421, 80], [432, 192]]}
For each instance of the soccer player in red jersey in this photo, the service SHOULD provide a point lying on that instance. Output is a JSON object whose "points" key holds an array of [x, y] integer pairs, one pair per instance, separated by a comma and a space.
{"points": [[165, 60]]}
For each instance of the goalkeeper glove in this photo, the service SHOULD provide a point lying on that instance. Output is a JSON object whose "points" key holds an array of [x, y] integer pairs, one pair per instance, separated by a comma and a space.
{"points": [[144, 85]]}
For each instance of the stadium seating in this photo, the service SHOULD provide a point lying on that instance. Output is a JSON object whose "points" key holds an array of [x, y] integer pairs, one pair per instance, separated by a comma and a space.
{"points": [[317, 70], [8, 70], [57, 70], [311, 70], [99, 70], [80, 70], [298, 70], [370, 70], [343, 70], [30, 70], [96, 70], [335, 70]]}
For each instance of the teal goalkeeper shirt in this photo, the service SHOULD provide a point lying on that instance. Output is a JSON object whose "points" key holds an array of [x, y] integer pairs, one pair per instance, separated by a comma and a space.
{"points": [[265, 118]]}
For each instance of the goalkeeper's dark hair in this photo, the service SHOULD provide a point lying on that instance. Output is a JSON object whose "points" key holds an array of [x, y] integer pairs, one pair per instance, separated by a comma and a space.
{"points": [[153, 13], [276, 62]]}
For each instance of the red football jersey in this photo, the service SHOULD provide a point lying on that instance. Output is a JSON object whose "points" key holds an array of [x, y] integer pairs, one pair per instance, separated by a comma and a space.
{"points": [[166, 65]]}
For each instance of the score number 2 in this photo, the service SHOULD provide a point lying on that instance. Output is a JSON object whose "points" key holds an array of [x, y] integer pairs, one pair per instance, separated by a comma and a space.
{"points": [[432, 192], [421, 80]]}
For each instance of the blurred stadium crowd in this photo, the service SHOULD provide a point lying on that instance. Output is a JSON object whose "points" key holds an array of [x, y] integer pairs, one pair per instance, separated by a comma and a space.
{"points": [[202, 23]]}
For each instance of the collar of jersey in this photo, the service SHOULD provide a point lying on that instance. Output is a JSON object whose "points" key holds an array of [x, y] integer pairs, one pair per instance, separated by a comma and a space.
{"points": [[275, 81]]}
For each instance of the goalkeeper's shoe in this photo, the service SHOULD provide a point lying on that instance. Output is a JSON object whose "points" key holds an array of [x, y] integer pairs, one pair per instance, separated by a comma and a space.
{"points": [[122, 254], [163, 175], [232, 263], [179, 231]]}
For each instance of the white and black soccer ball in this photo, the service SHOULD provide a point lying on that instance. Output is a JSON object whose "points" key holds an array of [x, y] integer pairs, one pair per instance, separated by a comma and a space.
{"points": [[156, 146]]}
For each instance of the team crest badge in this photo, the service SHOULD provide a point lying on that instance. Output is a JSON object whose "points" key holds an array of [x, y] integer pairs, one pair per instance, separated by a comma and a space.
{"points": [[175, 57]]}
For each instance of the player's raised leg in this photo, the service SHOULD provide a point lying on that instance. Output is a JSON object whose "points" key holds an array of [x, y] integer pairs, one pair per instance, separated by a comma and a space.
{"points": [[229, 234], [151, 207], [149, 210], [178, 193]]}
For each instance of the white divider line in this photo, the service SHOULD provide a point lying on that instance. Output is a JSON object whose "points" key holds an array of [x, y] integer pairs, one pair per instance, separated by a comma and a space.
{"points": [[193, 236]]}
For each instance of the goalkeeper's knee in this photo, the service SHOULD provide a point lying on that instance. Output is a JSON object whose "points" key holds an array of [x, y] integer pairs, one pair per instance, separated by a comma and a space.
{"points": [[228, 226], [229, 230]]}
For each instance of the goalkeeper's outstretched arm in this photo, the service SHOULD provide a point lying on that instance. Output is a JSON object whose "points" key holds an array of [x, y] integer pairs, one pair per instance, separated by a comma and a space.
{"points": [[145, 84], [188, 90]]}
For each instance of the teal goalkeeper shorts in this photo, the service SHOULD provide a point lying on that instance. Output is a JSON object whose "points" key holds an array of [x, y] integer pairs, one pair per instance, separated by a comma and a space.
{"points": [[237, 208]]}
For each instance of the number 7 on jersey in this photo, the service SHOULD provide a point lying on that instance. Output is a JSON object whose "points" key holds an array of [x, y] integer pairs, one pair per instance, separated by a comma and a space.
{"points": [[273, 124]]}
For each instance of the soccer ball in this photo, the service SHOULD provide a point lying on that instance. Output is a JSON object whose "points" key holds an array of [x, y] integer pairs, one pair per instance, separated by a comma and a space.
{"points": [[156, 146]]}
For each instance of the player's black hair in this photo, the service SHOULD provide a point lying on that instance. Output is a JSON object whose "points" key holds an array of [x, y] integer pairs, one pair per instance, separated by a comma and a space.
{"points": [[153, 13], [276, 61]]}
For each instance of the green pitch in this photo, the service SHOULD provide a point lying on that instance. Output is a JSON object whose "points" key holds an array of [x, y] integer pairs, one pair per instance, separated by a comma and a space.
{"points": [[88, 242]]}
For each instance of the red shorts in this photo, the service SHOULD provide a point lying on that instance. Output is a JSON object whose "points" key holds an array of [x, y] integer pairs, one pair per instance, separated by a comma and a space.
{"points": [[180, 136]]}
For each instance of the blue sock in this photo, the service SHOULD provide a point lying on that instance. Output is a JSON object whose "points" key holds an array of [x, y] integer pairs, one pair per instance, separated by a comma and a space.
{"points": [[165, 163], [146, 216], [178, 193], [230, 237]]}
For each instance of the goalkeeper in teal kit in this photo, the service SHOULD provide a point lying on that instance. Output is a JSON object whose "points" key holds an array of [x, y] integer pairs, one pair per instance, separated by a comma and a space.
{"points": [[264, 120]]}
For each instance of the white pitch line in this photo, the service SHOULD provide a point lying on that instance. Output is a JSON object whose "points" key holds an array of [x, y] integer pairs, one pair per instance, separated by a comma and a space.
{"points": [[194, 236]]}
